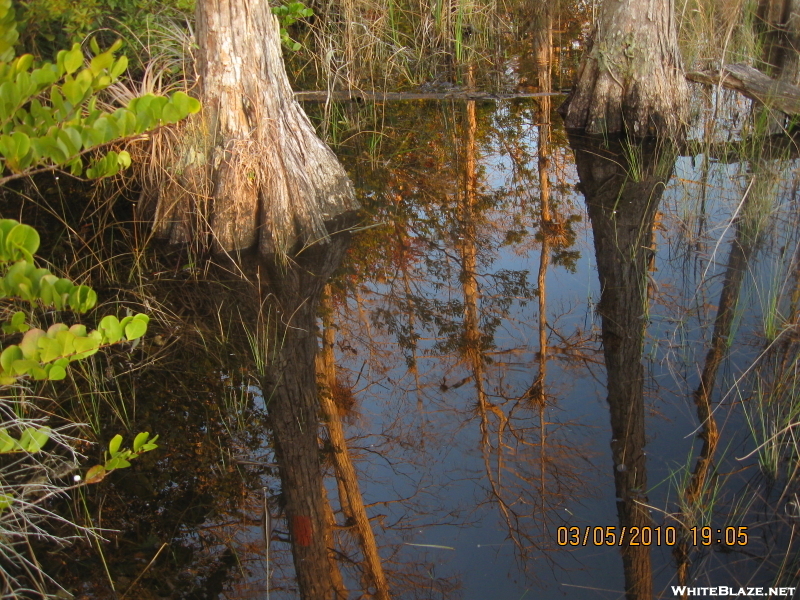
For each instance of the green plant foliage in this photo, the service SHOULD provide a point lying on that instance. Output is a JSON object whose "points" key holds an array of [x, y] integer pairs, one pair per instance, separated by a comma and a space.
{"points": [[116, 458], [49, 118], [51, 24], [32, 440], [8, 32], [49, 113], [16, 324], [17, 242], [288, 15], [46, 354], [24, 280]]}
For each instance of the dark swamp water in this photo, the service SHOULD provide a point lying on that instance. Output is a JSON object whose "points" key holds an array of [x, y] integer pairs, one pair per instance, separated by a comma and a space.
{"points": [[491, 390]]}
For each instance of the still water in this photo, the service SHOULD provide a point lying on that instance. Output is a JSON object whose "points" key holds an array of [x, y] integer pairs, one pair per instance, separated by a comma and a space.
{"points": [[491, 393], [467, 325]]}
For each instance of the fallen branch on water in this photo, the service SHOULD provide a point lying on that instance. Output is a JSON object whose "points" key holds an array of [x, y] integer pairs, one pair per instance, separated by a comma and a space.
{"points": [[754, 84]]}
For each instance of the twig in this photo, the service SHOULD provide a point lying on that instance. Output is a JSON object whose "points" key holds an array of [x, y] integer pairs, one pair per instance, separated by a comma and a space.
{"points": [[135, 581]]}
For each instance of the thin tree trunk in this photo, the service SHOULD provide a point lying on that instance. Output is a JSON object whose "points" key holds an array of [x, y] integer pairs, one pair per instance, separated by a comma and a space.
{"points": [[631, 77], [543, 48], [340, 591], [346, 472]]}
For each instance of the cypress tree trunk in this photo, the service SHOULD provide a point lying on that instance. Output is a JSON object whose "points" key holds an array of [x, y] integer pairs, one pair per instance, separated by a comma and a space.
{"points": [[631, 78], [251, 172]]}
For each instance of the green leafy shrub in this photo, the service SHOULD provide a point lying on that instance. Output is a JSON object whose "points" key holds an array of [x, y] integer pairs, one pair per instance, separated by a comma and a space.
{"points": [[117, 458], [50, 114], [52, 24], [288, 15], [46, 354], [51, 117]]}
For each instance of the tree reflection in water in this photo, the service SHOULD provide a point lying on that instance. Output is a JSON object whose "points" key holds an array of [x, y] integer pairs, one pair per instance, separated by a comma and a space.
{"points": [[623, 181], [440, 293], [459, 389]]}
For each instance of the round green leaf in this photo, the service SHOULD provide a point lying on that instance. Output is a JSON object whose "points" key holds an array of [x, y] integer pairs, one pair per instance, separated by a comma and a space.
{"points": [[22, 238], [29, 346], [82, 298], [9, 356], [111, 329], [114, 444], [56, 373], [73, 59], [135, 329]]}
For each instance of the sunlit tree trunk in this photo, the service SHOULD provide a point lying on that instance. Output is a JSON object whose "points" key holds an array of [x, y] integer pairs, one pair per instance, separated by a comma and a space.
{"points": [[631, 77], [339, 589], [251, 171], [543, 44]]}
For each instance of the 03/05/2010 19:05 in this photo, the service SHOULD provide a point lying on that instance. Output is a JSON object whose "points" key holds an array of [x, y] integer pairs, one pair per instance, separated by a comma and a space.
{"points": [[650, 536]]}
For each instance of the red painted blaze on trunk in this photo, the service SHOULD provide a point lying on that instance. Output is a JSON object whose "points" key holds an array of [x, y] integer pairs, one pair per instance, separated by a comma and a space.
{"points": [[301, 530]]}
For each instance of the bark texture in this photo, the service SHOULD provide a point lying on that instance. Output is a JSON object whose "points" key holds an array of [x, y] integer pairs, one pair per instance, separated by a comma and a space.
{"points": [[631, 77], [251, 171]]}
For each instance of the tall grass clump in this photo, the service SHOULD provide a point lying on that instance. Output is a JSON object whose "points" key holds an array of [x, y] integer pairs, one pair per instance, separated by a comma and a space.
{"points": [[772, 409], [380, 44], [772, 414], [29, 482], [163, 60], [716, 32]]}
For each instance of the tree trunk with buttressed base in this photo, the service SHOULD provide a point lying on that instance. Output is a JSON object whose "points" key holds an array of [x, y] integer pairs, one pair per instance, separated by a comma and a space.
{"points": [[631, 77], [251, 171], [250, 174]]}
